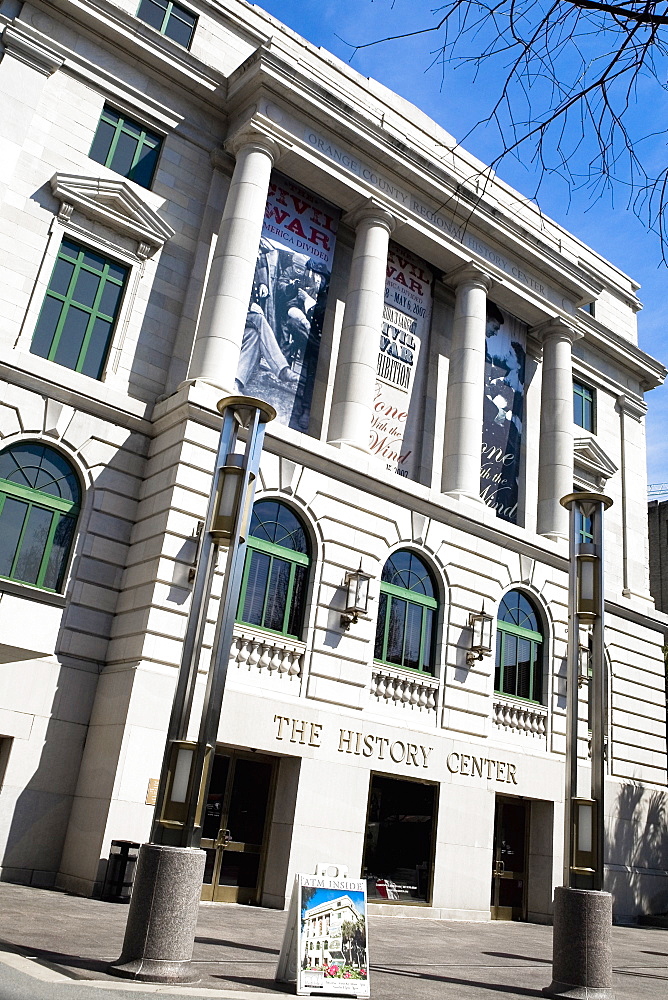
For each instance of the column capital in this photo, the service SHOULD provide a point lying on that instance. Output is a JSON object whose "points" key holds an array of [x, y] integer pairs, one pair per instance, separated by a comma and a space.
{"points": [[252, 134], [371, 211], [555, 328], [469, 274]]}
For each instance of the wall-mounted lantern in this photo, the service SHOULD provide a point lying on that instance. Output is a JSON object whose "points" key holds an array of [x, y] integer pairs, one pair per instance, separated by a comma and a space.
{"points": [[357, 597], [481, 636]]}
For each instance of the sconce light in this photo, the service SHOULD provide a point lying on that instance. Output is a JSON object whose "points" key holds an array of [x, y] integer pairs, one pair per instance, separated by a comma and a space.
{"points": [[357, 600], [584, 818], [481, 636], [588, 582], [229, 499], [584, 661]]}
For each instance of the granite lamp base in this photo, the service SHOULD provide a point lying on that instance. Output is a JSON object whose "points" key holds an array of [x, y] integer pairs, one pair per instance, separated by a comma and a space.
{"points": [[581, 945], [160, 932]]}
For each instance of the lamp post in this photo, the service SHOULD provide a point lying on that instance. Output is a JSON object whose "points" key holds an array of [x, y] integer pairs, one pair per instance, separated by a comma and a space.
{"points": [[582, 959], [160, 930]]}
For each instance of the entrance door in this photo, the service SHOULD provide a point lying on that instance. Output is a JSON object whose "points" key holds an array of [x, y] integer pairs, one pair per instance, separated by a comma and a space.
{"points": [[234, 833], [509, 874]]}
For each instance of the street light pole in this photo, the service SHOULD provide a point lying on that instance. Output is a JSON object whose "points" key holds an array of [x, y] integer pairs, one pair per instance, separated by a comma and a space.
{"points": [[582, 959], [160, 930]]}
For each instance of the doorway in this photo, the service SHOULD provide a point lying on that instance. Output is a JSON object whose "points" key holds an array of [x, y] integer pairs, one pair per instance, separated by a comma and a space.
{"points": [[234, 832], [509, 859]]}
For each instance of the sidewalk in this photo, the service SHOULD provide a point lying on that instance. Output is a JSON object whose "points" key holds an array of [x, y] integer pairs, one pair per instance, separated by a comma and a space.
{"points": [[45, 936]]}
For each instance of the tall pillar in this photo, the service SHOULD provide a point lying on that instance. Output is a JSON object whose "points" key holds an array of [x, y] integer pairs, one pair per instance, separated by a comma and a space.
{"points": [[555, 456], [352, 400], [466, 384], [230, 283]]}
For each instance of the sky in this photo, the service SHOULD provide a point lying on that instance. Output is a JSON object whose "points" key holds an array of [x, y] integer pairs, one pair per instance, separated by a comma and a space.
{"points": [[457, 105]]}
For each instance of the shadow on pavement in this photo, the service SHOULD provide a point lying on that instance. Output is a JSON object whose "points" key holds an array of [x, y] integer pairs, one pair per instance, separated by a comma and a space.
{"points": [[236, 944], [520, 958], [515, 990]]}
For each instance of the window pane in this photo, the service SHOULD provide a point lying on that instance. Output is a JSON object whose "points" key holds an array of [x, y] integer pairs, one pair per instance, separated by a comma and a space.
{"points": [[57, 564], [62, 275], [72, 337], [298, 601], [277, 595], [145, 166], [46, 327], [94, 260], [153, 12], [117, 271], [255, 587], [180, 28], [510, 664], [33, 545], [111, 295], [55, 475], [12, 516], [499, 654], [70, 249], [523, 668], [427, 659], [96, 352], [578, 415], [380, 626], [86, 288], [99, 151], [413, 636], [395, 637], [124, 154]]}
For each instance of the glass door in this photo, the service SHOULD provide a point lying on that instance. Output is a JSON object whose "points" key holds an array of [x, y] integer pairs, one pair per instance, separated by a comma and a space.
{"points": [[509, 863], [234, 833]]}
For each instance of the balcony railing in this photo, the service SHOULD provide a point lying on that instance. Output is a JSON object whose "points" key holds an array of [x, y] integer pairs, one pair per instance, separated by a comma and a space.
{"points": [[256, 652], [516, 716], [393, 686]]}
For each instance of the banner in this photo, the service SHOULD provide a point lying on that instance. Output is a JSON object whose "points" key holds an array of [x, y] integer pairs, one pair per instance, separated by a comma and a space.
{"points": [[402, 362], [281, 341], [332, 945], [503, 412]]}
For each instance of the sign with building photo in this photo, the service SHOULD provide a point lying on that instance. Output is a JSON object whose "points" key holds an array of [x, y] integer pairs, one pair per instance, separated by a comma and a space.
{"points": [[331, 941], [281, 342], [402, 362], [503, 411]]}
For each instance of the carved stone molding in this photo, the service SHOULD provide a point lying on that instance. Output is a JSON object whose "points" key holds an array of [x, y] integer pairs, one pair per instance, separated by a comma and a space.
{"points": [[589, 457], [31, 51], [632, 406], [113, 203]]}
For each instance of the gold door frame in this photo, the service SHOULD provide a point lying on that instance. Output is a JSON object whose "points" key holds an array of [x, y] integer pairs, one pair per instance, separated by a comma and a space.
{"points": [[213, 891], [499, 871]]}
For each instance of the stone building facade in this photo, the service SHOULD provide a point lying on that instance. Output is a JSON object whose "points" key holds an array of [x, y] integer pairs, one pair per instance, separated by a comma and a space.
{"points": [[197, 202]]}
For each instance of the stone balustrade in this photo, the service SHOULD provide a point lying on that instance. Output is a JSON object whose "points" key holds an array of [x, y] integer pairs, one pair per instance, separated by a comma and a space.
{"points": [[403, 687], [514, 715], [255, 651]]}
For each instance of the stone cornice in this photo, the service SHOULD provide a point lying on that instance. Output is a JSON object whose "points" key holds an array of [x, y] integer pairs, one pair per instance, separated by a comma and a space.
{"points": [[113, 203], [32, 50], [631, 406]]}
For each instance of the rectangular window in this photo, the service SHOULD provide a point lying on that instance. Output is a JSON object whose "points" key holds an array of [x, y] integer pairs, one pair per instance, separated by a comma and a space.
{"points": [[170, 19], [126, 147], [77, 320], [583, 406]]}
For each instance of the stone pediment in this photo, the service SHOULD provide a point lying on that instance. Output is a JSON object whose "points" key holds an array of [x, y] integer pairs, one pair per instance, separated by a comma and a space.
{"points": [[115, 204], [589, 457]]}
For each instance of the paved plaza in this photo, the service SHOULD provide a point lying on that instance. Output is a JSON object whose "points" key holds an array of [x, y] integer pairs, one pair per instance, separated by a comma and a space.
{"points": [[56, 947]]}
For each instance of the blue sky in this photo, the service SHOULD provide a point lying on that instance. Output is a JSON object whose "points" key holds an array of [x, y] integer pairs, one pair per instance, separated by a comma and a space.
{"points": [[604, 224]]}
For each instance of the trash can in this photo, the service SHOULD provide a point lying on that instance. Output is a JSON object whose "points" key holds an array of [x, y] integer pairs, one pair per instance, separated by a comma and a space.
{"points": [[121, 869]]}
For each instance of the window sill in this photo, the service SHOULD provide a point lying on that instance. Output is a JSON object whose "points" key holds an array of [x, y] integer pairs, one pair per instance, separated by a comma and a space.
{"points": [[32, 593]]}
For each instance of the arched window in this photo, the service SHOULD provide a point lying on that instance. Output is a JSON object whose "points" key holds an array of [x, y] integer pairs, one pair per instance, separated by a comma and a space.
{"points": [[273, 589], [405, 628], [519, 639], [40, 499]]}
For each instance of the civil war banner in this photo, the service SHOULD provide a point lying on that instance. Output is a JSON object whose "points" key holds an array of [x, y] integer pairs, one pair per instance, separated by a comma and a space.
{"points": [[281, 341], [503, 411], [402, 362]]}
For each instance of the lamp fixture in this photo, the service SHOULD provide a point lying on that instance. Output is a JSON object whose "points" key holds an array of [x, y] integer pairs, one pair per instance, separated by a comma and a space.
{"points": [[357, 597], [481, 635]]}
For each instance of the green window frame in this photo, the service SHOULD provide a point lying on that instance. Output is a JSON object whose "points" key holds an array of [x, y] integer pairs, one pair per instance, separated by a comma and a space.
{"points": [[170, 19], [276, 568], [405, 629], [126, 146], [40, 500], [519, 649], [584, 406], [80, 309]]}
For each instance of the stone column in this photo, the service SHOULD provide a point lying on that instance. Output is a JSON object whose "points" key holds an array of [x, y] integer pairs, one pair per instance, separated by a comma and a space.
{"points": [[555, 457], [466, 384], [352, 400], [230, 283]]}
